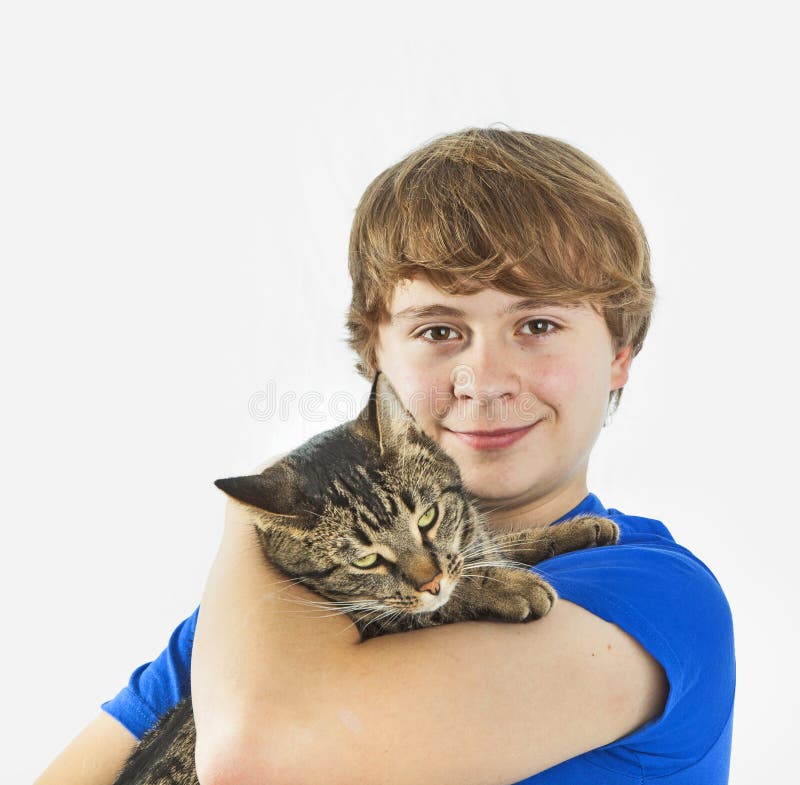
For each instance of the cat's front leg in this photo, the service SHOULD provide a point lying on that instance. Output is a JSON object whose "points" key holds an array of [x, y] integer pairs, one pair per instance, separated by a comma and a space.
{"points": [[504, 593], [537, 544]]}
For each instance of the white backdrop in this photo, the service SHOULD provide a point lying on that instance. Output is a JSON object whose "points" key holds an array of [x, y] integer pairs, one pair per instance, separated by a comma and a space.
{"points": [[177, 182]]}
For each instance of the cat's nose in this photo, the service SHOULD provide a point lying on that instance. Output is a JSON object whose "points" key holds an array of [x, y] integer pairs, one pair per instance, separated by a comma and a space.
{"points": [[432, 585]]}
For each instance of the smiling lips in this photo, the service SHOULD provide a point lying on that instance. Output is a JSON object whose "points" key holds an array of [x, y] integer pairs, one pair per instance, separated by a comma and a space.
{"points": [[492, 440]]}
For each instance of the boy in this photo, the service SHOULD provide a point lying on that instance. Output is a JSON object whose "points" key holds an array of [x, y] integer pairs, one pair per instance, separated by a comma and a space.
{"points": [[501, 282]]}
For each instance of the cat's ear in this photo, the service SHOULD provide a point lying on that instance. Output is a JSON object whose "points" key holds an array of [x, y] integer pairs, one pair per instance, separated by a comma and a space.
{"points": [[274, 490], [384, 418]]}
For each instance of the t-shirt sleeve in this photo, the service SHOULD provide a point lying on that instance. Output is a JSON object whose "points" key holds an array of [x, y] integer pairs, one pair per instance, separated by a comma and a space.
{"points": [[670, 602], [156, 686]]}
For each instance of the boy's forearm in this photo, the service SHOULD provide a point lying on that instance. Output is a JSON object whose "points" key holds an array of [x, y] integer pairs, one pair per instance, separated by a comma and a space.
{"points": [[254, 645], [94, 757]]}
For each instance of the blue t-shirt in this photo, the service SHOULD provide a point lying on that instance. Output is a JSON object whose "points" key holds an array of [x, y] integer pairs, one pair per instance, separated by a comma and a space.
{"points": [[650, 587]]}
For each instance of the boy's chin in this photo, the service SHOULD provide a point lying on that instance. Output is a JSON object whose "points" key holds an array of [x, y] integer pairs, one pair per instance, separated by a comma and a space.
{"points": [[500, 488]]}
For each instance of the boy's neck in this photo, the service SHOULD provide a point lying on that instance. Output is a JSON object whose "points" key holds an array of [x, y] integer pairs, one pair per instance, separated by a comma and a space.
{"points": [[541, 511]]}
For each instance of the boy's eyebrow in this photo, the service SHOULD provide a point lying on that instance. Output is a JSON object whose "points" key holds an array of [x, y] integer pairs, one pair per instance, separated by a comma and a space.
{"points": [[425, 311]]}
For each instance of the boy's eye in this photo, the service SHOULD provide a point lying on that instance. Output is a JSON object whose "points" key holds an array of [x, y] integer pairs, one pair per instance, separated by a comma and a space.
{"points": [[367, 561], [540, 326], [439, 331]]}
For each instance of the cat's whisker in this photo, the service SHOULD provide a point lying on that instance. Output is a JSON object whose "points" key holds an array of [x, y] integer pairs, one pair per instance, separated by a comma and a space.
{"points": [[385, 614], [327, 613], [490, 540], [482, 549], [506, 563], [483, 578], [377, 609], [351, 604], [493, 547], [484, 514], [286, 581], [393, 618], [486, 545], [316, 613], [323, 606], [481, 546]]}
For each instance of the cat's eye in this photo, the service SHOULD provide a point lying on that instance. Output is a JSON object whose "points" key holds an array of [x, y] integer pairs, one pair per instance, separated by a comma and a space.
{"points": [[428, 518], [367, 561]]}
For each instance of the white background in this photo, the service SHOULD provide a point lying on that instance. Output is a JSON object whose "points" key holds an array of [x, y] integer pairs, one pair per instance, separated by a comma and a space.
{"points": [[177, 182]]}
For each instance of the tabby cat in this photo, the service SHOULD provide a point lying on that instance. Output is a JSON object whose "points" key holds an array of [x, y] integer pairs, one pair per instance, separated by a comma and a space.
{"points": [[372, 515]]}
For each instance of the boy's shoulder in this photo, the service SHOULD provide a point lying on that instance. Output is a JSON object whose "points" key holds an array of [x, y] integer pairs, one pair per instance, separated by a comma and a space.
{"points": [[667, 599]]}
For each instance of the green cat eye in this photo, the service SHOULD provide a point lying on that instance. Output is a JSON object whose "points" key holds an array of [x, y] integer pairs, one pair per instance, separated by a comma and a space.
{"points": [[428, 517], [367, 561]]}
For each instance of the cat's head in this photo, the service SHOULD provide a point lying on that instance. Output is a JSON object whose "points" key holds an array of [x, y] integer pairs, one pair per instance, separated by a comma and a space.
{"points": [[372, 510]]}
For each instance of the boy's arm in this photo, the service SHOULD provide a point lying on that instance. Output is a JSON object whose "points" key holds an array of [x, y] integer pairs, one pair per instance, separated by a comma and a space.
{"points": [[282, 694], [94, 757]]}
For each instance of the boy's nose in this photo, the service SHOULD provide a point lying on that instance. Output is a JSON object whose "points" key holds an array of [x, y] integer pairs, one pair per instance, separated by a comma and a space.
{"points": [[487, 378]]}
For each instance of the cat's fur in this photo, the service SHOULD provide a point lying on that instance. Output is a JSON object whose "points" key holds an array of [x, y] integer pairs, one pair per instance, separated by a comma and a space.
{"points": [[361, 488]]}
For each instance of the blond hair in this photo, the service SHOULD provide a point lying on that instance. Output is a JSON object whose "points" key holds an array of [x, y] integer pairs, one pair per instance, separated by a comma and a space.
{"points": [[528, 215]]}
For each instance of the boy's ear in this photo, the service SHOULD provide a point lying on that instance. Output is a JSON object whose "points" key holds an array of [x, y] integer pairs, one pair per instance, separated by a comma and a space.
{"points": [[620, 366]]}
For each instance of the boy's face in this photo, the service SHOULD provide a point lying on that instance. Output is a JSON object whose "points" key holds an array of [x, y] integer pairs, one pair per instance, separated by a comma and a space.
{"points": [[548, 369]]}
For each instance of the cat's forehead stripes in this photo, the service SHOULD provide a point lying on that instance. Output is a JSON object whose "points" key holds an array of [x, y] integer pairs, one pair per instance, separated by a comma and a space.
{"points": [[369, 499], [365, 514], [408, 500], [362, 536]]}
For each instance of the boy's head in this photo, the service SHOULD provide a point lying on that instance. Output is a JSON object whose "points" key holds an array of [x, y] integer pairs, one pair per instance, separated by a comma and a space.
{"points": [[525, 214]]}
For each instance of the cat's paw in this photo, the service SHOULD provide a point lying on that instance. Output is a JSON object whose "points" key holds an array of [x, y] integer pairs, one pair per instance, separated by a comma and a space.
{"points": [[585, 531], [606, 532], [525, 597]]}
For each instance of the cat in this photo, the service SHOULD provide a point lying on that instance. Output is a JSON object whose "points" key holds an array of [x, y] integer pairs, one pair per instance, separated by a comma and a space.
{"points": [[372, 515]]}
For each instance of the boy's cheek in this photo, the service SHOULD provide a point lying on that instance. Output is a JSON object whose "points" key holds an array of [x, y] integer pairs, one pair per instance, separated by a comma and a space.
{"points": [[570, 388], [555, 381]]}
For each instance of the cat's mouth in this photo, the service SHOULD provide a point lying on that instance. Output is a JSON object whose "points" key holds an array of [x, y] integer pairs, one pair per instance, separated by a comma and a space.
{"points": [[423, 602], [432, 602]]}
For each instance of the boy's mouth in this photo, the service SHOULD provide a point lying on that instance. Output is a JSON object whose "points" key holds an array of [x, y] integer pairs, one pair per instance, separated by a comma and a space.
{"points": [[493, 439]]}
